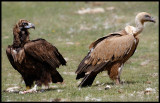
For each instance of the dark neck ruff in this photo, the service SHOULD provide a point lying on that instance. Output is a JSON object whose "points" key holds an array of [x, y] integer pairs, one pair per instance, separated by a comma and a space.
{"points": [[21, 37]]}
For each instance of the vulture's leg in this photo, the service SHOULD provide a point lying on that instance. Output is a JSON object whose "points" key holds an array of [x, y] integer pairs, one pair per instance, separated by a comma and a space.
{"points": [[114, 72], [34, 89], [28, 83], [28, 86], [117, 81], [119, 74]]}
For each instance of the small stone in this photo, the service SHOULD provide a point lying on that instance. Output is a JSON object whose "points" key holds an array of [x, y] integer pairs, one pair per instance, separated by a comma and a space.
{"points": [[59, 90], [97, 82], [149, 90], [86, 98], [107, 87]]}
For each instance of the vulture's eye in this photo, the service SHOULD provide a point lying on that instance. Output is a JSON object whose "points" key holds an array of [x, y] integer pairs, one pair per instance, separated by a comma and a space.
{"points": [[147, 16], [24, 24]]}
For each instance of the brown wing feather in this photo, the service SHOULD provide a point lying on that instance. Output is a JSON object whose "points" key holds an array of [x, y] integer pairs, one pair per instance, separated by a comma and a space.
{"points": [[120, 33], [10, 58], [113, 47], [43, 51]]}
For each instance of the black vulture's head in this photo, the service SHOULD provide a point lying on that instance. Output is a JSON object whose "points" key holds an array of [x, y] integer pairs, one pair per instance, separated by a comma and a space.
{"points": [[24, 24]]}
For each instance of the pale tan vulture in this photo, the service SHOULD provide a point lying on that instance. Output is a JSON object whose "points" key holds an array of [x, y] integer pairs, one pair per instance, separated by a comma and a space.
{"points": [[111, 52]]}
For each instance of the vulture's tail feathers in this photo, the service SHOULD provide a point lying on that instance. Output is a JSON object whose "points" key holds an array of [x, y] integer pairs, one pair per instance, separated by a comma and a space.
{"points": [[56, 77], [81, 75], [82, 65], [88, 80], [61, 59]]}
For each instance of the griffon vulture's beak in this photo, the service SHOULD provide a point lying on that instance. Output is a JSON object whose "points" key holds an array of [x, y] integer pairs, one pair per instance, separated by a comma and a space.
{"points": [[152, 20]]}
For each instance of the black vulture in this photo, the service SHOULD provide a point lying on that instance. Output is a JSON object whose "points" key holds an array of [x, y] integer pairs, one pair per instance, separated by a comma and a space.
{"points": [[36, 60]]}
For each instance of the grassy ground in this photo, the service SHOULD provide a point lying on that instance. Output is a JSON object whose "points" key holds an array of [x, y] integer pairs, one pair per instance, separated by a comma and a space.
{"points": [[71, 33]]}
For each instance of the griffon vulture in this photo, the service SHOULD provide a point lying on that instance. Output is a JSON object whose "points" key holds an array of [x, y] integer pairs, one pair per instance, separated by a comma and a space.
{"points": [[111, 52], [36, 60]]}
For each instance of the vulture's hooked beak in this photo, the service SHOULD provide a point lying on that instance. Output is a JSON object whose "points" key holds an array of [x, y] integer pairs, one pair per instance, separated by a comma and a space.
{"points": [[152, 20], [30, 25]]}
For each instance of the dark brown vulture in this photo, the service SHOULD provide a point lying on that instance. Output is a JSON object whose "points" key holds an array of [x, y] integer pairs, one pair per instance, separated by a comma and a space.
{"points": [[36, 60], [111, 52]]}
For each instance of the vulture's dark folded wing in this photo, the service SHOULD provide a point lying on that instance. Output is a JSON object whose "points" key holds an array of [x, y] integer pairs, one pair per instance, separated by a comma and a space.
{"points": [[45, 52]]}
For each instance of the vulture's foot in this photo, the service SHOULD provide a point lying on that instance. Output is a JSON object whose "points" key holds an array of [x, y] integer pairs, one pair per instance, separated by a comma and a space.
{"points": [[34, 89]]}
